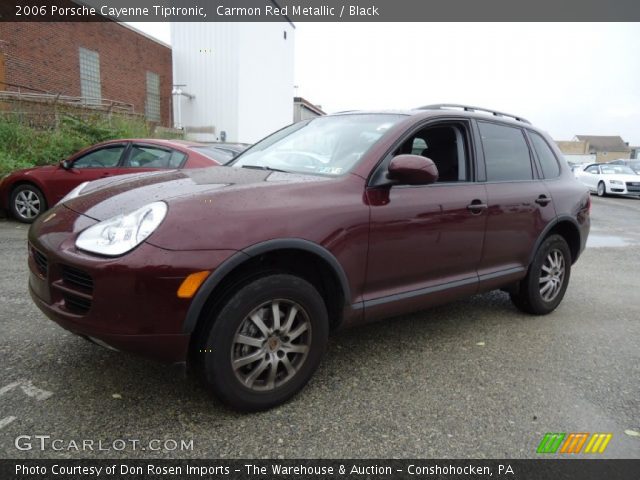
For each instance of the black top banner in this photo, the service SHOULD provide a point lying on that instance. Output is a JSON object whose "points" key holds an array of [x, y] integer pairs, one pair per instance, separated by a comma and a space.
{"points": [[319, 10]]}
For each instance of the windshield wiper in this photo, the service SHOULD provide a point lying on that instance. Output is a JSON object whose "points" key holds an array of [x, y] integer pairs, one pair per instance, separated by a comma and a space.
{"points": [[264, 167]]}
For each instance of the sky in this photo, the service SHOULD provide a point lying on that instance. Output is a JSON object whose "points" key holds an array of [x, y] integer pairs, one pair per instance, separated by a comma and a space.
{"points": [[566, 78]]}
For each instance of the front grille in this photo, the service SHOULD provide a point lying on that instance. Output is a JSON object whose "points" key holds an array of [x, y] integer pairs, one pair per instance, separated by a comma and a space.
{"points": [[75, 278], [633, 186], [42, 264], [76, 304]]}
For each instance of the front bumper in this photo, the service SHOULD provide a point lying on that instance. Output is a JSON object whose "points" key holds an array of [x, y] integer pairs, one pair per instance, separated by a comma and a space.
{"points": [[127, 302], [626, 188]]}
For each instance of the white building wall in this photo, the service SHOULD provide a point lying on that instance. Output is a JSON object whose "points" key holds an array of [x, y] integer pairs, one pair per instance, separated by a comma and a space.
{"points": [[205, 59], [266, 54], [241, 75]]}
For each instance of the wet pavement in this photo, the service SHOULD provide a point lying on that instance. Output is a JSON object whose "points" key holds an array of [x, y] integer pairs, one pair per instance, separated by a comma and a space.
{"points": [[476, 378], [614, 226]]}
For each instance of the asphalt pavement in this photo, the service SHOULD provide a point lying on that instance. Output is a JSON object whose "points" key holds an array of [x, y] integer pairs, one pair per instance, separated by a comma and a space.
{"points": [[475, 378]]}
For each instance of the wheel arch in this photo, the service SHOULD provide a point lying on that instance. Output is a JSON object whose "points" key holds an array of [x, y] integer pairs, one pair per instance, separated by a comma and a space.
{"points": [[300, 257], [566, 227], [604, 184], [12, 187], [26, 181]]}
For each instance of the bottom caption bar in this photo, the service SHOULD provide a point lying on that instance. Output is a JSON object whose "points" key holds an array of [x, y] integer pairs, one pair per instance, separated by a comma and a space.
{"points": [[583, 469]]}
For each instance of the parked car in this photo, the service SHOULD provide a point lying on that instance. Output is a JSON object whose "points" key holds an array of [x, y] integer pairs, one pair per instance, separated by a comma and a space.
{"points": [[576, 166], [29, 192], [633, 164], [242, 270], [605, 179]]}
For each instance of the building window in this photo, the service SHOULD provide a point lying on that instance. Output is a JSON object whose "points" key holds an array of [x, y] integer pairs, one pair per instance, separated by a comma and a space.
{"points": [[153, 97], [90, 76]]}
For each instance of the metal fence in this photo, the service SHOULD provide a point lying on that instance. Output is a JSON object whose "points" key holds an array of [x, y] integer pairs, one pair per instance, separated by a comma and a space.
{"points": [[45, 110]]}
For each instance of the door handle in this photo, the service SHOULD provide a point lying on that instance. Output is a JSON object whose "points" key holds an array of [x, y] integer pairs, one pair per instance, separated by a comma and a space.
{"points": [[476, 206], [543, 200], [106, 174]]}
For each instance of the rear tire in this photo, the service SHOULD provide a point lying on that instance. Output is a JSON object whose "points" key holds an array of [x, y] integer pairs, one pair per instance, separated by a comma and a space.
{"points": [[542, 290], [266, 342], [26, 203]]}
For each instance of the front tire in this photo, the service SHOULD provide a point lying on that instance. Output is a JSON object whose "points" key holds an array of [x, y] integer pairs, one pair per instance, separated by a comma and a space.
{"points": [[602, 190], [26, 203], [542, 290], [266, 342]]}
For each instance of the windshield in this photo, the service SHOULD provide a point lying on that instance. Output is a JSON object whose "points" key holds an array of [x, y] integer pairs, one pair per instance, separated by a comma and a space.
{"points": [[323, 146], [634, 166], [617, 169]]}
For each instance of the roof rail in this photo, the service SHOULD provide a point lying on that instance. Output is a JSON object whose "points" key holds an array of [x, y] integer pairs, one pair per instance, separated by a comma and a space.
{"points": [[469, 108]]}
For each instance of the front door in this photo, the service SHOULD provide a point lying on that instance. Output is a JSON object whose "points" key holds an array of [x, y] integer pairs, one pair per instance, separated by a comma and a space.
{"points": [[99, 163], [426, 241]]}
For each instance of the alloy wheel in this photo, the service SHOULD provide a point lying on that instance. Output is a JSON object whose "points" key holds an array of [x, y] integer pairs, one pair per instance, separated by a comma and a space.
{"points": [[552, 275], [27, 204], [271, 344]]}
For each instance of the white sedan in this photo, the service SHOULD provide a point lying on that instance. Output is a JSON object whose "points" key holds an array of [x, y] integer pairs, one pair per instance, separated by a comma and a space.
{"points": [[605, 179]]}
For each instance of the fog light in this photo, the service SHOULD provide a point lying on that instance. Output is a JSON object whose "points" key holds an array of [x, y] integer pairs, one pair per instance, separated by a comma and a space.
{"points": [[191, 284]]}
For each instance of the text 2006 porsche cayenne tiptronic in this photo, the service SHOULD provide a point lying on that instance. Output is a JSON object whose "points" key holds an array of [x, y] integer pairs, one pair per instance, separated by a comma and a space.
{"points": [[243, 270]]}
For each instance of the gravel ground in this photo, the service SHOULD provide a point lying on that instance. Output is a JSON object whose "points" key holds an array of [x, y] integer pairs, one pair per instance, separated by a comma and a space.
{"points": [[472, 379]]}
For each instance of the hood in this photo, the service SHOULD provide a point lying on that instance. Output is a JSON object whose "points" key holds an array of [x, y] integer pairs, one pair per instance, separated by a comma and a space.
{"points": [[106, 198]]}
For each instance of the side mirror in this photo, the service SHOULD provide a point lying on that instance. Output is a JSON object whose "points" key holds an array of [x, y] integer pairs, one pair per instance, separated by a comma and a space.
{"points": [[65, 164], [413, 170]]}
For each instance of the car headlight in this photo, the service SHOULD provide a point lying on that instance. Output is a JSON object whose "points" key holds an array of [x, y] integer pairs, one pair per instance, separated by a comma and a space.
{"points": [[616, 182], [73, 193], [122, 233]]}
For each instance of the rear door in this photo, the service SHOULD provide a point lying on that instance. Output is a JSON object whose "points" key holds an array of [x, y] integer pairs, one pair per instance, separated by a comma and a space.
{"points": [[519, 202], [144, 157]]}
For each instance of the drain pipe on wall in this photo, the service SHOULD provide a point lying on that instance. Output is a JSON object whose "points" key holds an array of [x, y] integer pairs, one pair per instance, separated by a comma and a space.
{"points": [[178, 93]]}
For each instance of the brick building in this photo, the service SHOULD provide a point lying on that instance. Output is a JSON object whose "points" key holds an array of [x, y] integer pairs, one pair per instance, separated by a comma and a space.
{"points": [[604, 148], [99, 61]]}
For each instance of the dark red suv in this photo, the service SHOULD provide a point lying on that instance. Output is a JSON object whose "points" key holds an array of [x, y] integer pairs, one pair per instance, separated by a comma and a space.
{"points": [[243, 270]]}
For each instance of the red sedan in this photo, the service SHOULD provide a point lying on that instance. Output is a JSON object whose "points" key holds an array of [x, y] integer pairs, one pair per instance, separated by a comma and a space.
{"points": [[29, 192]]}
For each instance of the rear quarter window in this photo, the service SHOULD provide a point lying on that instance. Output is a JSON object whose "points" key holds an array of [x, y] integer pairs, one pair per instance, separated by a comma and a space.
{"points": [[548, 161]]}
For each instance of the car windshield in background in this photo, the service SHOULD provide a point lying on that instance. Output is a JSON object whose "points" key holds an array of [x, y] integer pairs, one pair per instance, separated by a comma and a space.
{"points": [[323, 146], [222, 155], [635, 166], [617, 169]]}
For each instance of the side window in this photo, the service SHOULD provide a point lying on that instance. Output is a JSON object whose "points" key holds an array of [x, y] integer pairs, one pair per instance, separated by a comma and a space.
{"points": [[548, 162], [593, 169], [154, 157], [177, 159], [446, 146], [506, 153], [104, 158]]}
